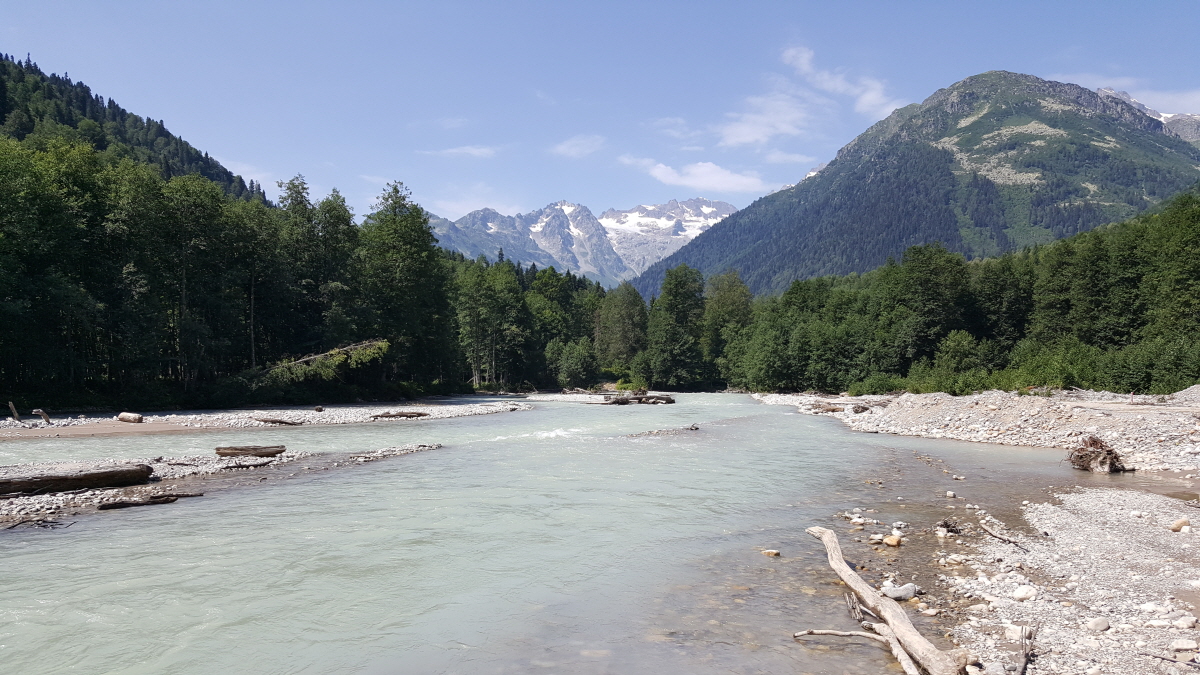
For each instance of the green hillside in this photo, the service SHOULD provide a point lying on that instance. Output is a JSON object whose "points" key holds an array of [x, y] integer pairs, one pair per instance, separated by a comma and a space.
{"points": [[993, 163], [35, 107]]}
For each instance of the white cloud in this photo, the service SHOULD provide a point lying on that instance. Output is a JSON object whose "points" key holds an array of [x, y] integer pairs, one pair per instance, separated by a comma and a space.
{"points": [[374, 180], [676, 127], [780, 157], [579, 146], [870, 98], [463, 151], [777, 113], [699, 176]]}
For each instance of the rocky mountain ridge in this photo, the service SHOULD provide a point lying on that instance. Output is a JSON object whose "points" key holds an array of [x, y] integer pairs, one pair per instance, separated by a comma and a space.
{"points": [[1183, 125], [993, 163], [616, 246]]}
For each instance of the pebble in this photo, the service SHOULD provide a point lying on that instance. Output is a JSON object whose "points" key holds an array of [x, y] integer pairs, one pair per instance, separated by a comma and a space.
{"points": [[892, 540], [1180, 524], [1099, 624]]}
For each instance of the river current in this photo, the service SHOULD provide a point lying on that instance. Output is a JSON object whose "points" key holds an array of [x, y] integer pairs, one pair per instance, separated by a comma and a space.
{"points": [[554, 540]]}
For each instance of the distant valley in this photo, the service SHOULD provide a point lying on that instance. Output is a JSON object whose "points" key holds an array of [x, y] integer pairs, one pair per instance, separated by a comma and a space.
{"points": [[611, 248]]}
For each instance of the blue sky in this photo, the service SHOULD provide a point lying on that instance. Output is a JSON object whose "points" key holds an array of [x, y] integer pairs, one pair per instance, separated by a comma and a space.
{"points": [[515, 105]]}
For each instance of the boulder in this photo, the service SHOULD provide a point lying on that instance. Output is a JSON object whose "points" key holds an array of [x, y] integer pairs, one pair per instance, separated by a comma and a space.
{"points": [[1024, 593], [1098, 625], [893, 540], [771, 553], [1180, 524], [1184, 646], [906, 592]]}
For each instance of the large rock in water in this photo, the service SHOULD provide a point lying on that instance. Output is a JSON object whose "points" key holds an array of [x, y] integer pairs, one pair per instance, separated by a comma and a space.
{"points": [[75, 476]]}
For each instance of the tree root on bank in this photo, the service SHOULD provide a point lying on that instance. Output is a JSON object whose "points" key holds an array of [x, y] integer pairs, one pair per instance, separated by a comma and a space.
{"points": [[914, 652]]}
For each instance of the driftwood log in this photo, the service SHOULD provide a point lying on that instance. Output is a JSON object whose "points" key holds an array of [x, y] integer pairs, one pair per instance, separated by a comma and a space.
{"points": [[1096, 456], [642, 398], [276, 420], [251, 450], [895, 620], [42, 413], [15, 415], [130, 417], [74, 477], [403, 414], [149, 501]]}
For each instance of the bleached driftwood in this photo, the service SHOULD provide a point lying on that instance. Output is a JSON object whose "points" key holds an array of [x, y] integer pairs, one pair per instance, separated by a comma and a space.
{"points": [[276, 420], [251, 450], [907, 640], [73, 476]]}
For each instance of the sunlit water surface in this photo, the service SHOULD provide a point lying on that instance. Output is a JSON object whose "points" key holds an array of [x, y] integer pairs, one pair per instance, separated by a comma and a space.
{"points": [[544, 541]]}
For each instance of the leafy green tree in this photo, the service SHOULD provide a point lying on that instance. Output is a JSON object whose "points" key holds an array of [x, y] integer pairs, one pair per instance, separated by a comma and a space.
{"points": [[674, 328], [620, 327]]}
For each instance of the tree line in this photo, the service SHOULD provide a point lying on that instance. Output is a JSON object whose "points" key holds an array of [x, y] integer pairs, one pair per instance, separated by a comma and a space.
{"points": [[120, 285]]}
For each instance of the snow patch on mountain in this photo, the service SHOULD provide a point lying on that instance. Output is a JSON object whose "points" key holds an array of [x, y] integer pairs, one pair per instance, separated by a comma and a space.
{"points": [[617, 246]]}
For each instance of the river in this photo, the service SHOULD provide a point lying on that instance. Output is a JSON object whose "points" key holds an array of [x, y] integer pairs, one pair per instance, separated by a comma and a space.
{"points": [[542, 541]]}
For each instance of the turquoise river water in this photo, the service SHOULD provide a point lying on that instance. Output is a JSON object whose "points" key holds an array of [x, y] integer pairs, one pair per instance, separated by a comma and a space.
{"points": [[542, 541]]}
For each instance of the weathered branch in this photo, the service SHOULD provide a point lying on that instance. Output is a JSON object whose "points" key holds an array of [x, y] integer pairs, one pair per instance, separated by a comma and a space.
{"points": [[932, 659], [1003, 538], [276, 420], [404, 414], [16, 416]]}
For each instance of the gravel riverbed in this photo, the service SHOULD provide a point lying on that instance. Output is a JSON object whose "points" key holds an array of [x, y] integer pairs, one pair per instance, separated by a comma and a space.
{"points": [[1149, 432], [241, 419]]}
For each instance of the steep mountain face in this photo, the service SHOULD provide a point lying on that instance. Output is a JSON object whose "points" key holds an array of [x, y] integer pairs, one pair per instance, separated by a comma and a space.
{"points": [[1183, 125], [995, 162], [645, 234], [567, 236], [34, 104]]}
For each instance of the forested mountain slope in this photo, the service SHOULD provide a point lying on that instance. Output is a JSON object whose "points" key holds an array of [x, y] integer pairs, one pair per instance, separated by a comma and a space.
{"points": [[993, 163], [35, 107]]}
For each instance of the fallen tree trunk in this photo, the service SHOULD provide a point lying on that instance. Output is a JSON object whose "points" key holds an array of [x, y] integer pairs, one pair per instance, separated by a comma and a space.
{"points": [[933, 660], [74, 477], [401, 414], [275, 420], [251, 450]]}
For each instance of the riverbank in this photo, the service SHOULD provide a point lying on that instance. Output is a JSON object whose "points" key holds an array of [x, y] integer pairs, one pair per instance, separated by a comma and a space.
{"points": [[250, 419], [1154, 433], [187, 476], [1107, 579]]}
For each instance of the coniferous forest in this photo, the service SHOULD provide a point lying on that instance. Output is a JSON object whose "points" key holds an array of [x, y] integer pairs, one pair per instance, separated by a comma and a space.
{"points": [[136, 271]]}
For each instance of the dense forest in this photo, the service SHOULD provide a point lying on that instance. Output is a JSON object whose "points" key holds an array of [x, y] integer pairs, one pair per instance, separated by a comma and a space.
{"points": [[128, 280], [38, 107]]}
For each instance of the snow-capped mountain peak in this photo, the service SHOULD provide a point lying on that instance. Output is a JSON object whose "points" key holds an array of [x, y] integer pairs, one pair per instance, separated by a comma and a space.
{"points": [[617, 246]]}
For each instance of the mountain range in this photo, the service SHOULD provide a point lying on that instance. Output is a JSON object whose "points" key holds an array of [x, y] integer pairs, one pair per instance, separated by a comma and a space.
{"points": [[995, 162], [616, 246]]}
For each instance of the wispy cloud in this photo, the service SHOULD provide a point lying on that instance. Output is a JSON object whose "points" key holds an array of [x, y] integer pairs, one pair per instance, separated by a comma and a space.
{"points": [[699, 176], [464, 151], [780, 112], [780, 157], [870, 97], [374, 180], [676, 127], [579, 146]]}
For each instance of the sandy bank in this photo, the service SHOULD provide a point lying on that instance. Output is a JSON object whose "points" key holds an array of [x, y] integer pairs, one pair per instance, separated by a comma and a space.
{"points": [[1149, 432], [244, 419]]}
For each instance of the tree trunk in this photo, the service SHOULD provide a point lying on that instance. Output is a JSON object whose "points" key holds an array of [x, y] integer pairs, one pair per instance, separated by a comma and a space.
{"points": [[932, 659], [72, 477]]}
